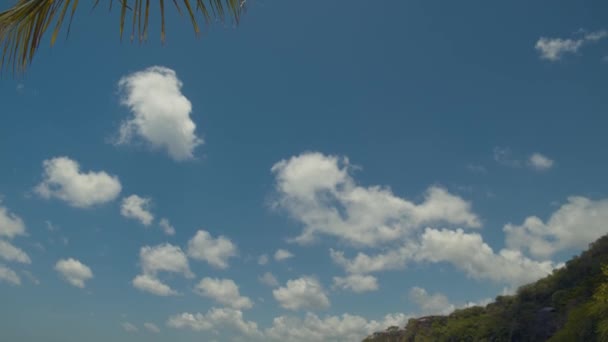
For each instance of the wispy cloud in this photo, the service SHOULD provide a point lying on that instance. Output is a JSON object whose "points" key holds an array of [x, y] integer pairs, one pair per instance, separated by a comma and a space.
{"points": [[553, 49], [129, 327], [536, 161], [504, 156]]}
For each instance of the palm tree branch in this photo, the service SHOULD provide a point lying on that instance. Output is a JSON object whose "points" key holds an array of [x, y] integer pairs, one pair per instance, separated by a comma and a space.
{"points": [[23, 26]]}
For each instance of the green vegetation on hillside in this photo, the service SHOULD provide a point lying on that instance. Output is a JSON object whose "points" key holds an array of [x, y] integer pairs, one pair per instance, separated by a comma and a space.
{"points": [[569, 305]]}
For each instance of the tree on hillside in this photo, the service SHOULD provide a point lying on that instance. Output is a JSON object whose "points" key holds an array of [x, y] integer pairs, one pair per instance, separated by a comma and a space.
{"points": [[23, 26], [600, 305]]}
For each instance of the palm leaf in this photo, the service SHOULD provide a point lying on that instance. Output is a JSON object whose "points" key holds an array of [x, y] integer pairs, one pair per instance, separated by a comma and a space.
{"points": [[23, 26]]}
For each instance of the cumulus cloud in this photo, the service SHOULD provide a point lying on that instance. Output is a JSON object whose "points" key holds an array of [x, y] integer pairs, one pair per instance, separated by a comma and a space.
{"points": [[468, 252], [166, 226], [575, 224], [215, 319], [63, 179], [357, 283], [465, 251], [11, 225], [129, 327], [214, 251], [151, 284], [137, 208], [553, 49], [318, 191], [282, 254], [151, 327], [164, 258], [436, 304], [9, 276], [9, 252], [311, 328], [392, 259], [344, 328], [302, 293], [160, 112], [268, 279], [74, 272], [540, 162], [223, 291], [160, 258]]}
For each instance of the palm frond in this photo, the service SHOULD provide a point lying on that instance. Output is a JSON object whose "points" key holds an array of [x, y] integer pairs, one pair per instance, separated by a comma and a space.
{"points": [[23, 26]]}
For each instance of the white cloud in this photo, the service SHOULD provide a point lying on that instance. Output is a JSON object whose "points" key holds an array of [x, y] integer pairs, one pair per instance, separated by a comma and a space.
{"points": [[215, 252], [393, 259], [302, 293], [282, 254], [357, 283], [161, 113], [223, 291], [436, 304], [129, 327], [11, 225], [151, 284], [540, 162], [74, 272], [482, 303], [344, 328], [268, 279], [9, 276], [471, 254], [441, 206], [160, 258], [263, 259], [215, 319], [318, 191], [466, 251], [164, 258], [137, 208], [166, 226], [311, 328], [151, 327], [553, 49], [596, 36], [574, 225], [536, 161], [9, 252], [63, 179]]}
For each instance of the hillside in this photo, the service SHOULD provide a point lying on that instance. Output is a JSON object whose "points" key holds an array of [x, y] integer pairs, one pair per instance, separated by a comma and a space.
{"points": [[569, 305]]}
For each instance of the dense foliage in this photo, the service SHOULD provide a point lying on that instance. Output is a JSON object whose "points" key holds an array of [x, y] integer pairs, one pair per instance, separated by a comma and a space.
{"points": [[569, 305]]}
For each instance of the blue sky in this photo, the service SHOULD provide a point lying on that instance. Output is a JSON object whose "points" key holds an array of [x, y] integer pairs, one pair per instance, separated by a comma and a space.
{"points": [[406, 157]]}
